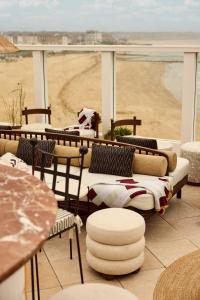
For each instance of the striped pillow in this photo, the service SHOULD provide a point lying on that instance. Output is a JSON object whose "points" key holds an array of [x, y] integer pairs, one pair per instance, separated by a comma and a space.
{"points": [[25, 151], [112, 160]]}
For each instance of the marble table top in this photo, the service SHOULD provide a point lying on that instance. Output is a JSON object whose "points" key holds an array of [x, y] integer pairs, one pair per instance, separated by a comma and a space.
{"points": [[27, 212]]}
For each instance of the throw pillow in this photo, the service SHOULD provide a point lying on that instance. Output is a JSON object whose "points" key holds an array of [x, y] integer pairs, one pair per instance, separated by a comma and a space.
{"points": [[24, 151], [11, 160], [112, 160], [148, 143]]}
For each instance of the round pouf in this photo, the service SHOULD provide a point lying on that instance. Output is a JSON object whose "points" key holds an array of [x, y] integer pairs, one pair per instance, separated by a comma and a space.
{"points": [[95, 291], [191, 151], [115, 241]]}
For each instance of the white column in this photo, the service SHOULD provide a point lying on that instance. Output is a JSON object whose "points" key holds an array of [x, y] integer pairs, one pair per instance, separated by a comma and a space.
{"points": [[108, 89], [41, 83], [189, 97]]}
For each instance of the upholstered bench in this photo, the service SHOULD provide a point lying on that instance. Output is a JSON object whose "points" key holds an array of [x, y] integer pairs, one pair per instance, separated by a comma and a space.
{"points": [[115, 241], [95, 291]]}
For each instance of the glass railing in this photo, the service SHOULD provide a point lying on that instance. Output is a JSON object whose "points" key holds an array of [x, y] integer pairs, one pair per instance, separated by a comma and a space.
{"points": [[74, 82], [17, 86], [149, 86]]}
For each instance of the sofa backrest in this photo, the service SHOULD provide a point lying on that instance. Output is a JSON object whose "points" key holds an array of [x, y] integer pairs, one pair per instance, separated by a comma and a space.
{"points": [[142, 164]]}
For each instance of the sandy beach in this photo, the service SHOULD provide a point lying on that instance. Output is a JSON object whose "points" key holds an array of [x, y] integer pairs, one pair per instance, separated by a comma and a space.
{"points": [[149, 90]]}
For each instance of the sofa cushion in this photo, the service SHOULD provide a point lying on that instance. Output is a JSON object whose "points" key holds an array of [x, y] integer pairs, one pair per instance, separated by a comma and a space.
{"points": [[2, 146], [67, 151], [24, 151], [35, 127], [148, 143], [150, 165], [181, 170], [112, 160], [11, 160], [11, 146], [143, 202], [172, 159]]}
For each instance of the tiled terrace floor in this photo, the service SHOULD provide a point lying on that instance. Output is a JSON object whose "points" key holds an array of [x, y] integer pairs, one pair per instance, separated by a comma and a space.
{"points": [[168, 237]]}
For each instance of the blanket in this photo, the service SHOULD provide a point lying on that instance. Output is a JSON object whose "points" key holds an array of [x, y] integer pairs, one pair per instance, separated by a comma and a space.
{"points": [[84, 120], [119, 192]]}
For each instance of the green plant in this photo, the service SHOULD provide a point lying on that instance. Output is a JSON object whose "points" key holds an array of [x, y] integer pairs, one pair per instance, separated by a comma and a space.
{"points": [[14, 103], [118, 131]]}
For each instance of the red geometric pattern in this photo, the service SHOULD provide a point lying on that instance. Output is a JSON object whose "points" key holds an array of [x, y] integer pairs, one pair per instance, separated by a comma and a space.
{"points": [[119, 192], [91, 194], [82, 119]]}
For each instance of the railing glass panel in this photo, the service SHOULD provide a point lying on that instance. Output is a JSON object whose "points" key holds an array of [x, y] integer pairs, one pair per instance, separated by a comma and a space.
{"points": [[149, 86], [17, 85], [74, 82]]}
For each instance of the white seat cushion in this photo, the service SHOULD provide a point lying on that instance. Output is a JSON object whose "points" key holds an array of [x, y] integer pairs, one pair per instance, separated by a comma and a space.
{"points": [[181, 170], [115, 226], [11, 160], [111, 252], [114, 267], [97, 291], [143, 202], [64, 220], [35, 127]]}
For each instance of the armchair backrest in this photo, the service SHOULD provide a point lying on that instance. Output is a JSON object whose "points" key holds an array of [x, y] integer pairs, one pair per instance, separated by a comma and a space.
{"points": [[35, 111], [134, 122], [60, 180]]}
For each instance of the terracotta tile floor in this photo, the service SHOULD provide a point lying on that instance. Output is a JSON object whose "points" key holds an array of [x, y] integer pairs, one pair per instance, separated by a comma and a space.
{"points": [[168, 237]]}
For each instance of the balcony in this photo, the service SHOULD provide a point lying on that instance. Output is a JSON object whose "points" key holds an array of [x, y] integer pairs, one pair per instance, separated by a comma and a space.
{"points": [[104, 80]]}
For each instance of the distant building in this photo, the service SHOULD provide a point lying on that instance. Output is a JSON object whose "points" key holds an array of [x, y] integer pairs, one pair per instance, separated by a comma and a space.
{"points": [[20, 39], [9, 38], [93, 37], [30, 39], [65, 40]]}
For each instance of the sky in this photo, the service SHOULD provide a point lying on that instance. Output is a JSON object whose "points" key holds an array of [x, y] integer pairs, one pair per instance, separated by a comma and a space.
{"points": [[101, 15]]}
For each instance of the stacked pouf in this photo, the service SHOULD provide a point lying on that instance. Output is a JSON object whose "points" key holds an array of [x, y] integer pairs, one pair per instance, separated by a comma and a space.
{"points": [[115, 241]]}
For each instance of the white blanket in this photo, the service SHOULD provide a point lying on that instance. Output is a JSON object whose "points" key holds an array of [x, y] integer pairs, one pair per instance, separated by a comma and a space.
{"points": [[84, 120], [118, 193]]}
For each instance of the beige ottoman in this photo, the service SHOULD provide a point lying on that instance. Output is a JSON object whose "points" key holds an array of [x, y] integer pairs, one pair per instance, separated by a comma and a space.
{"points": [[115, 241], [97, 291], [191, 151]]}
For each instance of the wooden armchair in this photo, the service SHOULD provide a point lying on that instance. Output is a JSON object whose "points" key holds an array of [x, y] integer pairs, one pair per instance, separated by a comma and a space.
{"points": [[134, 122], [36, 111]]}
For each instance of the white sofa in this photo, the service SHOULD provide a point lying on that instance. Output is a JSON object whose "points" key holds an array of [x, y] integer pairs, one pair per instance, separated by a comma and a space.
{"points": [[146, 166]]}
